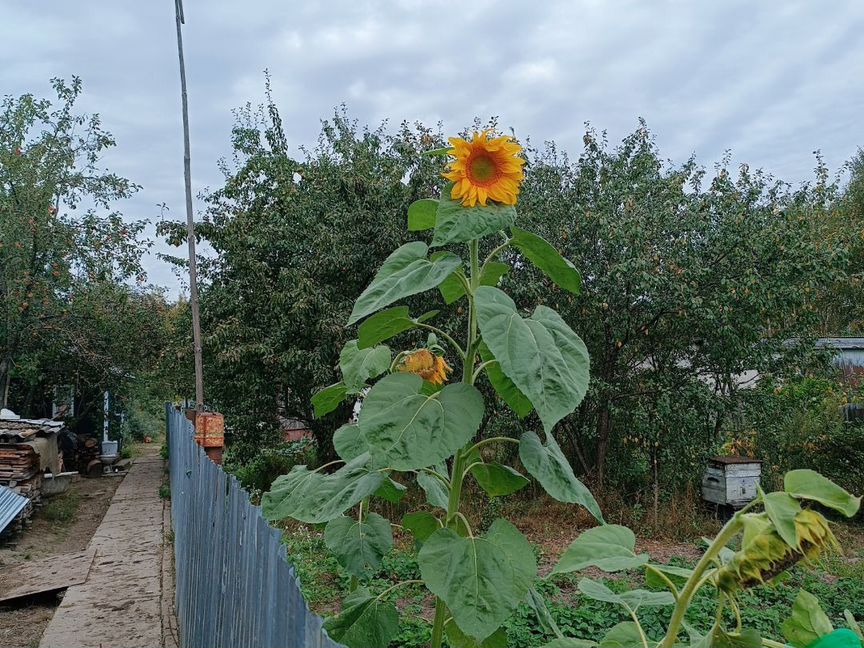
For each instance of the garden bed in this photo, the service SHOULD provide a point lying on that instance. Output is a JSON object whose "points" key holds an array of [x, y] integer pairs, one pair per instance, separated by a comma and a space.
{"points": [[837, 581]]}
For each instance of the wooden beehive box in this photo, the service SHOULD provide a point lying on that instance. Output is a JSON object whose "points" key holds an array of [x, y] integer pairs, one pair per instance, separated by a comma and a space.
{"points": [[731, 481]]}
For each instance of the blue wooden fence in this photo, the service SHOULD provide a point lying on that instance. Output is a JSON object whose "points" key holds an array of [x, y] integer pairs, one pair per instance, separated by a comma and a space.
{"points": [[234, 586]]}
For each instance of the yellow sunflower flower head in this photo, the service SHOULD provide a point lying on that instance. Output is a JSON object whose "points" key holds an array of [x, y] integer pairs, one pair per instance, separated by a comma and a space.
{"points": [[764, 554], [430, 367], [485, 169]]}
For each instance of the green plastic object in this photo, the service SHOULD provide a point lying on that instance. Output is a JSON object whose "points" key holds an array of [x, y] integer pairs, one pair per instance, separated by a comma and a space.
{"points": [[842, 638]]}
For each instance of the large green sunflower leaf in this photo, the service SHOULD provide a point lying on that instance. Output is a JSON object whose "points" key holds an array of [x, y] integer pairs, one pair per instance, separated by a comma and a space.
{"points": [[384, 325], [392, 491], [547, 259], [359, 546], [808, 484], [567, 642], [610, 547], [405, 272], [503, 386], [359, 365], [348, 442], [548, 465], [421, 524], [316, 497], [543, 357], [436, 492], [622, 635], [633, 599], [481, 579], [364, 621], [455, 637], [782, 509], [408, 430], [808, 621], [497, 479], [421, 214], [457, 224], [328, 399]]}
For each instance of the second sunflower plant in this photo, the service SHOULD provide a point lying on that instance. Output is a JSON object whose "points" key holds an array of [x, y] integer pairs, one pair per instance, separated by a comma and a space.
{"points": [[414, 425]]}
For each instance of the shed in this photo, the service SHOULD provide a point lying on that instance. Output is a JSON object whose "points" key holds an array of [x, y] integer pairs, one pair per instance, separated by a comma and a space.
{"points": [[849, 352], [731, 481]]}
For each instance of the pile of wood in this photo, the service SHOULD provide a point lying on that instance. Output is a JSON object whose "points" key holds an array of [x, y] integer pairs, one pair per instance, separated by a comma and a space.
{"points": [[21, 466], [87, 459], [18, 462]]}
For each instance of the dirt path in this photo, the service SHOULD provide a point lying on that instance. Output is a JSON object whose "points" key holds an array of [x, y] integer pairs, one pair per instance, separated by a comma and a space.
{"points": [[65, 524], [121, 603]]}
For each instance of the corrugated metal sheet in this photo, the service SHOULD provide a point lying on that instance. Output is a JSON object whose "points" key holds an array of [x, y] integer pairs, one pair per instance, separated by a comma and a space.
{"points": [[234, 586], [11, 504]]}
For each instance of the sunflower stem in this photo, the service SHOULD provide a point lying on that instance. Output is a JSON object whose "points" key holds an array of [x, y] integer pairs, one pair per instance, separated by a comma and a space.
{"points": [[458, 471]]}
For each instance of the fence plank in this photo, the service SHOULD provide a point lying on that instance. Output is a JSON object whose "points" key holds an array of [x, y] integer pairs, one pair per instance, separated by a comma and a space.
{"points": [[234, 585]]}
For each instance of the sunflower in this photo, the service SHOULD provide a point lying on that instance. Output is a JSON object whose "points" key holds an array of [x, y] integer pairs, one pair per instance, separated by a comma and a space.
{"points": [[485, 169], [764, 554], [427, 365]]}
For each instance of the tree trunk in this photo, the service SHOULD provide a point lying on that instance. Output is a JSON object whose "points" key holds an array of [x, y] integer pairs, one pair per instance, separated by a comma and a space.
{"points": [[5, 379], [656, 491], [604, 426]]}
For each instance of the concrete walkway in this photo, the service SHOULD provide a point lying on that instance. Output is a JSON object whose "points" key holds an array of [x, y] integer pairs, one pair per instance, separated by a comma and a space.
{"points": [[127, 599]]}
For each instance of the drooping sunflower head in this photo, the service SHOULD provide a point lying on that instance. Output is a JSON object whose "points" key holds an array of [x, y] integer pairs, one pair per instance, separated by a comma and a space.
{"points": [[430, 367], [485, 168], [764, 554]]}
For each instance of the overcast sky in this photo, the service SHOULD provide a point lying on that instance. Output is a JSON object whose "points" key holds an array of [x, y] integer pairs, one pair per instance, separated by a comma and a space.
{"points": [[772, 81]]}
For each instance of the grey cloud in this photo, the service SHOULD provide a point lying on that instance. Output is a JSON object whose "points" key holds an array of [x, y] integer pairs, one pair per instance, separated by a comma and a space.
{"points": [[772, 81]]}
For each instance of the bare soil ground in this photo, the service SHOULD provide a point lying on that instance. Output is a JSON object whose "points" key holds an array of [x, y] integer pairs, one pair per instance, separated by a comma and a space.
{"points": [[65, 523]]}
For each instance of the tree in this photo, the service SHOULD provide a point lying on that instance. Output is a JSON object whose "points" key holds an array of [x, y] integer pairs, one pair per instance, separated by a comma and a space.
{"points": [[295, 240], [689, 282], [62, 244]]}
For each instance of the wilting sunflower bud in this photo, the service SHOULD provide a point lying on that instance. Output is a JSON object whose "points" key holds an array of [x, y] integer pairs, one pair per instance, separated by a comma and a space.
{"points": [[427, 365], [764, 554]]}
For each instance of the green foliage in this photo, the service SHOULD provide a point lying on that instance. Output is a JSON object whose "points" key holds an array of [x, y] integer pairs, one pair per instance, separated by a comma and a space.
{"points": [[365, 620], [257, 475], [66, 257], [165, 492], [61, 508], [548, 260], [810, 485], [296, 239], [799, 423], [683, 271]]}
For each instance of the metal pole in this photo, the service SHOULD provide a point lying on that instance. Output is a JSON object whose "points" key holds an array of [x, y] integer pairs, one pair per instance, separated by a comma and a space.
{"points": [[190, 225]]}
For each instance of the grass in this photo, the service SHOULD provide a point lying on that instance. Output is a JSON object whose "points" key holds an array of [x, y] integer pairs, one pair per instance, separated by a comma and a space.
{"points": [[61, 508], [165, 492], [837, 581]]}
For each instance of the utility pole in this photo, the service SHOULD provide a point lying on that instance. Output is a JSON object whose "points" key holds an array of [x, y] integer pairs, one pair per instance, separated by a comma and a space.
{"points": [[190, 225]]}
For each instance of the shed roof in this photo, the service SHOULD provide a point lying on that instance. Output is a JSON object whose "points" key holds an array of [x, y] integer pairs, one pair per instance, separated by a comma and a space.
{"points": [[841, 343], [25, 429], [11, 504]]}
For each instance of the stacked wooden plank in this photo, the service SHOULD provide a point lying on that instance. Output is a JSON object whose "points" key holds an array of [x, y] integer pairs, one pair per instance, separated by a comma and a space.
{"points": [[18, 461], [21, 465]]}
